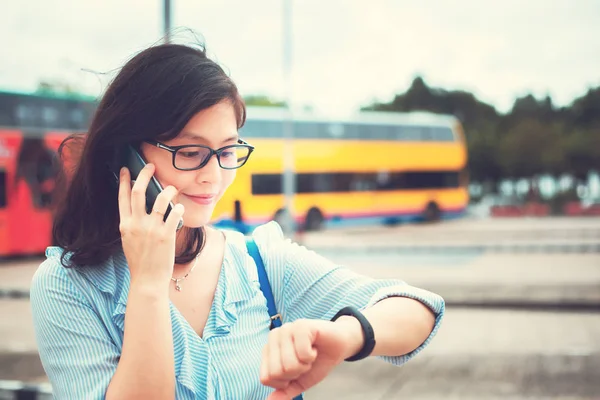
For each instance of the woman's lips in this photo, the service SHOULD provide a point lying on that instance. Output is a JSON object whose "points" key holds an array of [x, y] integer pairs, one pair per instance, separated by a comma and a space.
{"points": [[203, 199]]}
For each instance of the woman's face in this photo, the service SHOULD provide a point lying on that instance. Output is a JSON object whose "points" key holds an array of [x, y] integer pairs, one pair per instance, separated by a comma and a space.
{"points": [[199, 190]]}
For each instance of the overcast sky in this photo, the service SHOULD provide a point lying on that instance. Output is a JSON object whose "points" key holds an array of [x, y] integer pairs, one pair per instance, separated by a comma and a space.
{"points": [[345, 52]]}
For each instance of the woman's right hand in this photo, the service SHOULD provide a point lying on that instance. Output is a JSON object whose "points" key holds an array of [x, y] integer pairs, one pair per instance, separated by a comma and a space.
{"points": [[148, 242]]}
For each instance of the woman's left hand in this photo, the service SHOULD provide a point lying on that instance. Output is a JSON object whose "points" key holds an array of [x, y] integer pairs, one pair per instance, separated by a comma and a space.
{"points": [[302, 353]]}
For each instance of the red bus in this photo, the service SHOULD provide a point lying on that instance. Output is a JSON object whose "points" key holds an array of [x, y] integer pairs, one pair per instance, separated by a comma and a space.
{"points": [[31, 129]]}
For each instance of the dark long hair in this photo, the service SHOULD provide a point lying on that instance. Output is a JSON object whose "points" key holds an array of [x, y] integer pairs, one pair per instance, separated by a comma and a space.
{"points": [[153, 97]]}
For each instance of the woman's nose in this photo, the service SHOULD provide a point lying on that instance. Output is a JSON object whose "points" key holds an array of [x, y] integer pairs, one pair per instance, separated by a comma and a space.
{"points": [[211, 172]]}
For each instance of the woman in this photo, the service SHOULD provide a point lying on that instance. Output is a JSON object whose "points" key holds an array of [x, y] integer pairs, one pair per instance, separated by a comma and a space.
{"points": [[127, 306]]}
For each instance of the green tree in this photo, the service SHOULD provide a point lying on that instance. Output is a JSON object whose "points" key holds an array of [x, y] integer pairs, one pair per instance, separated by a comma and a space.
{"points": [[582, 149], [263, 101], [531, 148], [584, 112], [484, 155], [461, 104], [534, 137], [55, 87]]}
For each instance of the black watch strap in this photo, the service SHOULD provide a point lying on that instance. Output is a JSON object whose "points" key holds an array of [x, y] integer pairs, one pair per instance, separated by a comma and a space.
{"points": [[367, 329]]}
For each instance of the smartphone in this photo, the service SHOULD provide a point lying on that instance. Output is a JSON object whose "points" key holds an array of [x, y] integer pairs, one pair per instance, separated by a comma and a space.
{"points": [[134, 161]]}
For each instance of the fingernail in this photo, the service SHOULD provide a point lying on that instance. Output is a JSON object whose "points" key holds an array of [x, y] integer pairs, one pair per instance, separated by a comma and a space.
{"points": [[123, 171], [149, 165]]}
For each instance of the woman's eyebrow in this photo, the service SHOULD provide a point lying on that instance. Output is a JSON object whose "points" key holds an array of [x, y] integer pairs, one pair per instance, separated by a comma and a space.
{"points": [[192, 136], [232, 138]]}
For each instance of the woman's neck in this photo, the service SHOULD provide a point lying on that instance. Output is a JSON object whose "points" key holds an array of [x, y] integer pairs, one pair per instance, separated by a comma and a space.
{"points": [[181, 241]]}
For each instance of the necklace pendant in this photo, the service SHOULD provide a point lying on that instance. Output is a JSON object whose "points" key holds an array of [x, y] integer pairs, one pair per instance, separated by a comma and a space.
{"points": [[178, 287]]}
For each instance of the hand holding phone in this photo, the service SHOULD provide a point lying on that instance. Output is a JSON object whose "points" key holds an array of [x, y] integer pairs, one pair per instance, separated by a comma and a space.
{"points": [[148, 242], [134, 162]]}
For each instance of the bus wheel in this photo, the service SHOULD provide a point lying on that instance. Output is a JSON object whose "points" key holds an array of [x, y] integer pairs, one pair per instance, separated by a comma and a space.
{"points": [[281, 218], [431, 212], [314, 220]]}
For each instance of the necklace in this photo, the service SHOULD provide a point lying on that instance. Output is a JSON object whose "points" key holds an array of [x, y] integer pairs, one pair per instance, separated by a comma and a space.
{"points": [[177, 280]]}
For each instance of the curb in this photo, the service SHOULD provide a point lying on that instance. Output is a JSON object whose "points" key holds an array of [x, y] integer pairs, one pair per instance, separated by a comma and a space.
{"points": [[533, 305], [461, 249], [14, 293], [18, 390]]}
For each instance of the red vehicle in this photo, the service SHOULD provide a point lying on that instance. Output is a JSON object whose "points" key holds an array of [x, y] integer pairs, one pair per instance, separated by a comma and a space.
{"points": [[578, 209], [31, 129]]}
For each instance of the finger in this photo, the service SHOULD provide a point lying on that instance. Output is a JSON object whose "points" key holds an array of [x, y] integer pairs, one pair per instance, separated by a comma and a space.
{"points": [[162, 202], [292, 367], [274, 362], [305, 352], [124, 194], [293, 390], [138, 192], [265, 377], [174, 217], [264, 366], [274, 354], [278, 395]]}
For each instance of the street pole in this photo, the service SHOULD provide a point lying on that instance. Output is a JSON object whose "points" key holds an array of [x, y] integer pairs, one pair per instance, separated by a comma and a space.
{"points": [[288, 177], [167, 20]]}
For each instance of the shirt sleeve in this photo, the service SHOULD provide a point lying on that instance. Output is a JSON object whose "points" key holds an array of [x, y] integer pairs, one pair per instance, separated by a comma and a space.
{"points": [[310, 286], [76, 351]]}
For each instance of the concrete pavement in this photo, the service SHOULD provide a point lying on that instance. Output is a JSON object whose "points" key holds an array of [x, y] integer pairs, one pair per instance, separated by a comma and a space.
{"points": [[519, 352], [483, 354], [503, 279], [538, 234], [486, 355]]}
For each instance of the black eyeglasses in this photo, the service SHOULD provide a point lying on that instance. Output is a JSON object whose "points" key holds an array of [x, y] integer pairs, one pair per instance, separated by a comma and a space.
{"points": [[192, 157]]}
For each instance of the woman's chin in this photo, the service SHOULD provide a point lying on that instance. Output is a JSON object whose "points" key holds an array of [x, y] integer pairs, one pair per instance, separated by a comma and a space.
{"points": [[196, 221]]}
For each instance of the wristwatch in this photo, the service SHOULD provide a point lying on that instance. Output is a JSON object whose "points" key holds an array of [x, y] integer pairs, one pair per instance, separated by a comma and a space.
{"points": [[367, 329]]}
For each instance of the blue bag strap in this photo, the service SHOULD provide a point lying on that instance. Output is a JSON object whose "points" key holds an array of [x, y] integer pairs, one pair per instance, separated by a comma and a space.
{"points": [[265, 287]]}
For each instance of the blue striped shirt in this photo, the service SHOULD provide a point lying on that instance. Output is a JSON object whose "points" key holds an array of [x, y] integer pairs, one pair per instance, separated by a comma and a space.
{"points": [[79, 317]]}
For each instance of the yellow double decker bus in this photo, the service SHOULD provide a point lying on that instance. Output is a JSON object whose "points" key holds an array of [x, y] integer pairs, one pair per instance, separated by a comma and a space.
{"points": [[370, 168]]}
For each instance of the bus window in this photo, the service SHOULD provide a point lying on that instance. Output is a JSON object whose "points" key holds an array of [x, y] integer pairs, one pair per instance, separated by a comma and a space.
{"points": [[25, 115], [375, 132], [442, 134], [50, 117], [262, 129], [266, 184], [252, 129], [304, 183], [5, 118], [6, 110], [334, 130], [353, 131], [37, 165], [327, 182], [397, 133], [306, 130], [3, 196], [427, 134], [411, 134], [248, 130], [430, 180], [76, 119]]}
